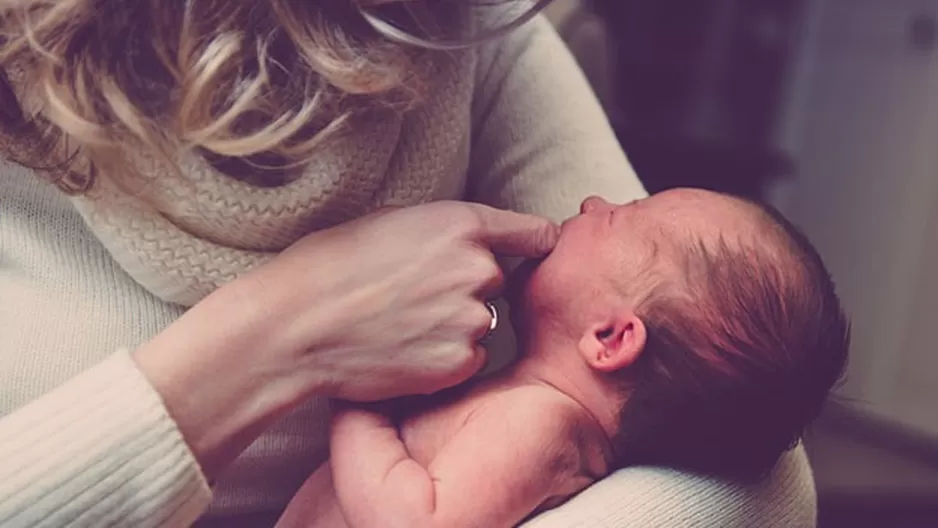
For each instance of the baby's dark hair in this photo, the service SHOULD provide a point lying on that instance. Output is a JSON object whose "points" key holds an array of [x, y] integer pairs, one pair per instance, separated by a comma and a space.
{"points": [[741, 354]]}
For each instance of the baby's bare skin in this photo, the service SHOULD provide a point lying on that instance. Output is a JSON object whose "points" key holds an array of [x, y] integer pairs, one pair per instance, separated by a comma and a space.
{"points": [[527, 440], [531, 438], [517, 449]]}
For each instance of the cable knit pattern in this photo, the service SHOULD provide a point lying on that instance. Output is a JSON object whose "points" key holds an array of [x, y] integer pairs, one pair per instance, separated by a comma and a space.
{"points": [[207, 229], [85, 439]]}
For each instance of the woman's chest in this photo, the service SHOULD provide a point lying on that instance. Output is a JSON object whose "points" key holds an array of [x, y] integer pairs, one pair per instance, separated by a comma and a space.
{"points": [[66, 305]]}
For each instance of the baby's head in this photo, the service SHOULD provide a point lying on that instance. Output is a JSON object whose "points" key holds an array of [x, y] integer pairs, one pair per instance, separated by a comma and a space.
{"points": [[711, 321]]}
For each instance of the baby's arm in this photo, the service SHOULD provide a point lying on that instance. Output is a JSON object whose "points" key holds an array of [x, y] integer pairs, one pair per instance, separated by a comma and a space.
{"points": [[508, 459]]}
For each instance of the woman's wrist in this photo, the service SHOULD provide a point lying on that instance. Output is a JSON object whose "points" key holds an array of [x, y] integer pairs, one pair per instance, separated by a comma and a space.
{"points": [[221, 378]]}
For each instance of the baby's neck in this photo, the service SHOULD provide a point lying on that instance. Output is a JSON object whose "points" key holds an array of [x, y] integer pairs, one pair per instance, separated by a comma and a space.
{"points": [[566, 373]]}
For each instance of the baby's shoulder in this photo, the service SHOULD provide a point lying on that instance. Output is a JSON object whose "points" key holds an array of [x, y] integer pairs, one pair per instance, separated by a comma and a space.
{"points": [[535, 405], [543, 425]]}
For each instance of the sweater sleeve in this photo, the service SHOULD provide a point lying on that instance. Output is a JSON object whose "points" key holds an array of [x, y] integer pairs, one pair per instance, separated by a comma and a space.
{"points": [[663, 498], [541, 141], [99, 450]]}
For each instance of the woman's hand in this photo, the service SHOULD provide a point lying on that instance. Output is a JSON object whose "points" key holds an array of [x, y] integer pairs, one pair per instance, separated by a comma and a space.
{"points": [[387, 305], [392, 303]]}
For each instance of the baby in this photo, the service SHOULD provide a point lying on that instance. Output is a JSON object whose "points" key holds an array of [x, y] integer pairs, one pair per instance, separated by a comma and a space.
{"points": [[689, 329]]}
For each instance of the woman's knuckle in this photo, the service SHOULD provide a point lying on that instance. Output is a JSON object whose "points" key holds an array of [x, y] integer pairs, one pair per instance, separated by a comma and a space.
{"points": [[473, 313], [475, 319], [485, 270], [457, 358], [464, 220], [496, 275]]}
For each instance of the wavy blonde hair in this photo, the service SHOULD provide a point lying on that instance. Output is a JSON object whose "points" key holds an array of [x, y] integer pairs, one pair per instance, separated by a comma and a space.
{"points": [[252, 85]]}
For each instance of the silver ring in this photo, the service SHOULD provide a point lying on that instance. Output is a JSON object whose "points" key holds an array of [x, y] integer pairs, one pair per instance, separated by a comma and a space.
{"points": [[493, 323]]}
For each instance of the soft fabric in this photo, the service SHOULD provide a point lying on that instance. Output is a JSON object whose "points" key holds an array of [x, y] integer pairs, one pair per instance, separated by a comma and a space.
{"points": [[86, 440], [649, 497]]}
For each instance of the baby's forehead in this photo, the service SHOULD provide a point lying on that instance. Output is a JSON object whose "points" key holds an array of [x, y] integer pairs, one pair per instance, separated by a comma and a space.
{"points": [[697, 209], [705, 216]]}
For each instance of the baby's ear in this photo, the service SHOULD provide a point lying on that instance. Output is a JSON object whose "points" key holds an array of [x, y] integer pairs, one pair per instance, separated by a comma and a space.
{"points": [[615, 343]]}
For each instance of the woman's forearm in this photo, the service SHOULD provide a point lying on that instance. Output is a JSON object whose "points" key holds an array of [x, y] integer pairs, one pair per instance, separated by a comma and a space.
{"points": [[221, 378]]}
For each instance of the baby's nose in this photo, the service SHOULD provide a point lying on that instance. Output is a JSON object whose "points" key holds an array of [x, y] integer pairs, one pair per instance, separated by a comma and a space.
{"points": [[593, 203]]}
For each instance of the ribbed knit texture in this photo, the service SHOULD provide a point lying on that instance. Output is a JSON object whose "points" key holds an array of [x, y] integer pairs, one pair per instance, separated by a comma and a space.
{"points": [[661, 498], [98, 451], [86, 441]]}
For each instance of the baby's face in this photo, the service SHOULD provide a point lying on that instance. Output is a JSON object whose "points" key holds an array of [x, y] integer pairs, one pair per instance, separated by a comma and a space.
{"points": [[610, 246]]}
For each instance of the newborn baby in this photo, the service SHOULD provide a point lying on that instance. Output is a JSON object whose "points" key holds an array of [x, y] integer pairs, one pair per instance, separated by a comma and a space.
{"points": [[689, 329]]}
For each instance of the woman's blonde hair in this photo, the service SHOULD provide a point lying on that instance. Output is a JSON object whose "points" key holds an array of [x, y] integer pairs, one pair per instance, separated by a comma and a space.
{"points": [[252, 85]]}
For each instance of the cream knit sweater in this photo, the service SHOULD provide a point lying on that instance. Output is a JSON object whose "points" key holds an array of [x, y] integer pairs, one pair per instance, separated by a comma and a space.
{"points": [[87, 442]]}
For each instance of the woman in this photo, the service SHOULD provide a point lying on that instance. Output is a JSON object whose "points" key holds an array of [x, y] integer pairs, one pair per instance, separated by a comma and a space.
{"points": [[237, 158]]}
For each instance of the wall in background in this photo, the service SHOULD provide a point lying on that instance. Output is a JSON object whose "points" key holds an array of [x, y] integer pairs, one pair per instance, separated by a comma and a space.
{"points": [[862, 128], [698, 86]]}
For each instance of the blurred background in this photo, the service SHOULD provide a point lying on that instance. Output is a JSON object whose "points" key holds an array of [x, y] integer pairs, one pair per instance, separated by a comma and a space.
{"points": [[827, 109]]}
